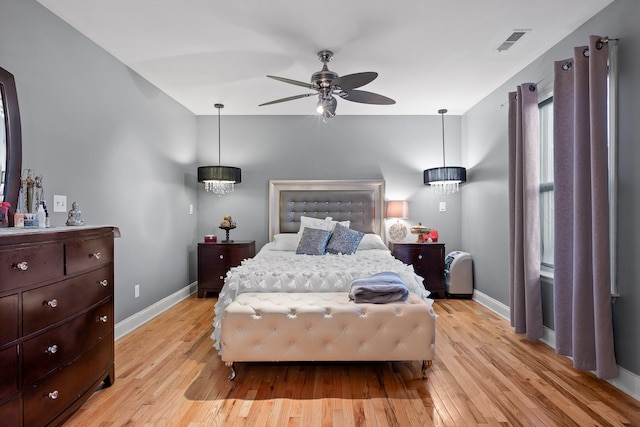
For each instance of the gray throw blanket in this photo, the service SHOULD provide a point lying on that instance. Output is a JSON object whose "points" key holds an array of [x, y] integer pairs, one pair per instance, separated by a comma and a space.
{"points": [[379, 288]]}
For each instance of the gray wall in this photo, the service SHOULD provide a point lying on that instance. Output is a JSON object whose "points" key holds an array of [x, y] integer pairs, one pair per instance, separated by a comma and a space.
{"points": [[484, 143], [109, 140], [394, 148]]}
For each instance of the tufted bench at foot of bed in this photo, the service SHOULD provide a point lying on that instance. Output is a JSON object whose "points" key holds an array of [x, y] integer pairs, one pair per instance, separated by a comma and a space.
{"points": [[325, 326]]}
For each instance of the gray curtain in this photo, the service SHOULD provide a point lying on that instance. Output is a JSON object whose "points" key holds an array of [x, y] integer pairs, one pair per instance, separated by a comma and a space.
{"points": [[582, 292], [524, 216]]}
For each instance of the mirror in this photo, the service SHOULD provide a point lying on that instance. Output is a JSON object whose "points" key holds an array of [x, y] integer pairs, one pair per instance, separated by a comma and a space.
{"points": [[10, 140]]}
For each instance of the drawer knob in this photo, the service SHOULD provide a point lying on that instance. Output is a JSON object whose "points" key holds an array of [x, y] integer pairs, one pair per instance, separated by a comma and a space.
{"points": [[104, 282], [52, 303], [21, 266], [53, 394], [95, 255], [419, 256], [103, 319], [221, 256], [52, 349]]}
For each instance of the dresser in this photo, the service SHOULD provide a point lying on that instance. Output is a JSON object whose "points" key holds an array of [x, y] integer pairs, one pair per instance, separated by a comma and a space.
{"points": [[215, 259], [427, 260], [56, 321]]}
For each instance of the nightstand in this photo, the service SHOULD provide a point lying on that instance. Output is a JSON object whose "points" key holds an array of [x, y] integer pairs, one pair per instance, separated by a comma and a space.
{"points": [[215, 259], [428, 262]]}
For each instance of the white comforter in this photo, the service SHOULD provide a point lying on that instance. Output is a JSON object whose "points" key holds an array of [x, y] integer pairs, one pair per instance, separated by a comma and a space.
{"points": [[284, 271]]}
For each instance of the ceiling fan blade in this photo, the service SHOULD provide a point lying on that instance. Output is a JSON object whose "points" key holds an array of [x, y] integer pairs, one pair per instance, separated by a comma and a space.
{"points": [[365, 97], [352, 81], [289, 98], [293, 82]]}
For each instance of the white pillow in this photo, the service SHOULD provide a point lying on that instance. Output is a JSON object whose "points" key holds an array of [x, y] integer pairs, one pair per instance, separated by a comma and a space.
{"points": [[321, 224], [285, 242], [371, 241]]}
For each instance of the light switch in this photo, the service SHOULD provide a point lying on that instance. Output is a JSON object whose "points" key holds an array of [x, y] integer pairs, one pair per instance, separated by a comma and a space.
{"points": [[443, 206], [59, 203]]}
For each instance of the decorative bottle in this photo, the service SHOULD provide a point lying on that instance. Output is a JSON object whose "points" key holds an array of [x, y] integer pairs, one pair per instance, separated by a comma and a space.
{"points": [[41, 217]]}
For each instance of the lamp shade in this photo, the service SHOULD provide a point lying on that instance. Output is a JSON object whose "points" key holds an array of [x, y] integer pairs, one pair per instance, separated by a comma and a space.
{"points": [[219, 173], [398, 209], [446, 173]]}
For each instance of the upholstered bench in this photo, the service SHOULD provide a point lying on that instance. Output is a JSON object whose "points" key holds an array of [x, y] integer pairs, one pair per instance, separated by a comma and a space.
{"points": [[325, 326]]}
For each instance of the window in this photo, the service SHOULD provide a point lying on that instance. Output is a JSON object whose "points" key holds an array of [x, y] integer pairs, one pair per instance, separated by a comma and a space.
{"points": [[546, 183], [546, 172]]}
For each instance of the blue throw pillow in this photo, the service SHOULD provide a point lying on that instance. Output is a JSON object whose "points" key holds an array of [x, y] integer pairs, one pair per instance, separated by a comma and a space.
{"points": [[313, 241], [344, 240]]}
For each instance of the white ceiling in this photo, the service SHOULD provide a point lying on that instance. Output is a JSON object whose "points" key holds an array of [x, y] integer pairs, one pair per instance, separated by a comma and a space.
{"points": [[429, 54]]}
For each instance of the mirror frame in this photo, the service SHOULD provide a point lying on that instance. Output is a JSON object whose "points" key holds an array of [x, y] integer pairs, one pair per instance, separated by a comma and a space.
{"points": [[14, 138]]}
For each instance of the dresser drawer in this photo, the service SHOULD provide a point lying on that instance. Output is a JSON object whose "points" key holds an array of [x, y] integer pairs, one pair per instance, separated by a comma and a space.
{"points": [[46, 399], [59, 346], [10, 412], [8, 318], [9, 371], [25, 266], [50, 304], [88, 254]]}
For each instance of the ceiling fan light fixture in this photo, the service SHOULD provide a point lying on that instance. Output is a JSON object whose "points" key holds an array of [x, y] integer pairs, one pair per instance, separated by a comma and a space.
{"points": [[329, 84], [327, 107]]}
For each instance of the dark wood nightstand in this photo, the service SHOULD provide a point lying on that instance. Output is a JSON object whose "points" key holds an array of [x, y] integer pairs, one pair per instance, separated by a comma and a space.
{"points": [[215, 259], [427, 260]]}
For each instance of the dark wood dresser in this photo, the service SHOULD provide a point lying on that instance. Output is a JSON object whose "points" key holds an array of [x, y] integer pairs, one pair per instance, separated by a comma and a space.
{"points": [[215, 259], [56, 321], [427, 260]]}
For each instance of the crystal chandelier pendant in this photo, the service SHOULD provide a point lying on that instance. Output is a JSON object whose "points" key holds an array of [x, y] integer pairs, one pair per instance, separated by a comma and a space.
{"points": [[219, 187], [445, 187]]}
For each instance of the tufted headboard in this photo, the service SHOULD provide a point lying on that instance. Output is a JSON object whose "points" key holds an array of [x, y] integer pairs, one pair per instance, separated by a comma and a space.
{"points": [[359, 201]]}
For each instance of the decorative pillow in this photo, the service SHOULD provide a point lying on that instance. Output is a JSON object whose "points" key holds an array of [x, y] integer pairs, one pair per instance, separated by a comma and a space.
{"points": [[343, 240], [285, 242], [371, 241], [318, 223], [313, 242]]}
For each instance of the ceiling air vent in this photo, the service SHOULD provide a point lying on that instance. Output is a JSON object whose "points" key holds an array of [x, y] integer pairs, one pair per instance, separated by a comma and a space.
{"points": [[514, 37]]}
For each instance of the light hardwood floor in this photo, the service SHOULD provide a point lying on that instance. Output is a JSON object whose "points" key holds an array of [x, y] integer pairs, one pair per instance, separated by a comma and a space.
{"points": [[168, 374]]}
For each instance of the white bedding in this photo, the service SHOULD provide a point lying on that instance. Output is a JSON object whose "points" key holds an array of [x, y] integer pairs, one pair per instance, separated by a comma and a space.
{"points": [[284, 271]]}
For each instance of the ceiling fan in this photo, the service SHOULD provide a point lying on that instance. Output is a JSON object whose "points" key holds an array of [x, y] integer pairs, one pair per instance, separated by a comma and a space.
{"points": [[327, 85]]}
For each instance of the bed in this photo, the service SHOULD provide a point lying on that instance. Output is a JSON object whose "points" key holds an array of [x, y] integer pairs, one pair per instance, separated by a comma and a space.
{"points": [[286, 306]]}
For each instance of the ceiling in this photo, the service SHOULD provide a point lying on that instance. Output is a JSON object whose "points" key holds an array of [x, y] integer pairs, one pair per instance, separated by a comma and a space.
{"points": [[429, 54]]}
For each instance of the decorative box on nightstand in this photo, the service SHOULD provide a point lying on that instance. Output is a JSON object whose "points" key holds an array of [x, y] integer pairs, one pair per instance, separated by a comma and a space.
{"points": [[427, 260], [215, 259]]}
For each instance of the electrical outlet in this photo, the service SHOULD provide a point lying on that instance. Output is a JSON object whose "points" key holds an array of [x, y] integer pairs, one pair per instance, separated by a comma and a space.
{"points": [[59, 203], [136, 291]]}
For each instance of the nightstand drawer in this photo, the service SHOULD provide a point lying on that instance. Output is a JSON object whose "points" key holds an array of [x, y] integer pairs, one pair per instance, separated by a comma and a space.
{"points": [[427, 260], [215, 259]]}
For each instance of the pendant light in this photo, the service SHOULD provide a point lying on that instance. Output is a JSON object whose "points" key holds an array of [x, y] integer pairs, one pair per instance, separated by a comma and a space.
{"points": [[219, 179], [446, 179]]}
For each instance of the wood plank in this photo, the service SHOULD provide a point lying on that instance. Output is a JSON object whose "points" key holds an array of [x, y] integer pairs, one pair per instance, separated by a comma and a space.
{"points": [[168, 373]]}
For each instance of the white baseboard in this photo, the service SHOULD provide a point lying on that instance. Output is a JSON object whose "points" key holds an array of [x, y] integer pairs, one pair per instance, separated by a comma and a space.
{"points": [[627, 381], [140, 318]]}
